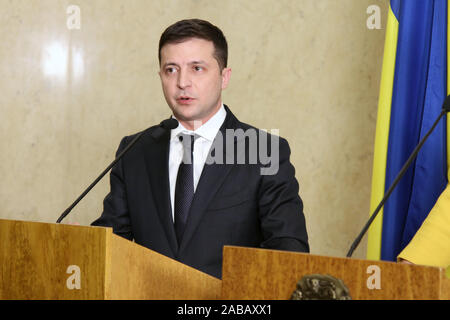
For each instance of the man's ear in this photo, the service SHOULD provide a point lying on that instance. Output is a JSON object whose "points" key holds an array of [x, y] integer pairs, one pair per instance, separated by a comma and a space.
{"points": [[226, 74]]}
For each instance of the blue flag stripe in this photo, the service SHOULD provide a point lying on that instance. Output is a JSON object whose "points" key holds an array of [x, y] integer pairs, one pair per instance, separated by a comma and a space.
{"points": [[430, 174], [417, 94]]}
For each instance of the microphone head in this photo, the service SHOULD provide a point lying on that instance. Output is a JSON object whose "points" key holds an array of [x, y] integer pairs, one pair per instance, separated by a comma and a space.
{"points": [[446, 104], [164, 127], [169, 124]]}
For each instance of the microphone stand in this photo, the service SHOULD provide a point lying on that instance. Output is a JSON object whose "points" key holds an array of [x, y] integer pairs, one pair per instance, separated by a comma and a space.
{"points": [[405, 167], [67, 211], [167, 124]]}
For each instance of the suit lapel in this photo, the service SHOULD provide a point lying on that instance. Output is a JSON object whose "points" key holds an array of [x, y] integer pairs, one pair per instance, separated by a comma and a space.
{"points": [[156, 151], [210, 181]]}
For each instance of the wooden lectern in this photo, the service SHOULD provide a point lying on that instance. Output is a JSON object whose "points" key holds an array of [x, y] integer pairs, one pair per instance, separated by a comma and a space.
{"points": [[46, 260], [271, 274], [49, 261]]}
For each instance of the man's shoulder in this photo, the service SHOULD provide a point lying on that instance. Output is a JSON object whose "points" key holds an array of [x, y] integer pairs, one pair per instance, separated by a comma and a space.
{"points": [[249, 129], [235, 124]]}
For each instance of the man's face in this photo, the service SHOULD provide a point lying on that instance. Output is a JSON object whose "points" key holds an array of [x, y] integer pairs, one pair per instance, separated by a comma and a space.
{"points": [[192, 81]]}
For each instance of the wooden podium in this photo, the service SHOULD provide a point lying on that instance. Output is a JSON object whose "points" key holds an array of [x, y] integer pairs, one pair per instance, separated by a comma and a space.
{"points": [[57, 261], [45, 260], [271, 274]]}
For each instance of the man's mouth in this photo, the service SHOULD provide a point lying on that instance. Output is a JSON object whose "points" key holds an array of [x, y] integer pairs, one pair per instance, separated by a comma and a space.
{"points": [[185, 100]]}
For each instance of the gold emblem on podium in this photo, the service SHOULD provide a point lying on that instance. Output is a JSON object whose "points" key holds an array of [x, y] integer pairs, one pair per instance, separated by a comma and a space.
{"points": [[320, 287]]}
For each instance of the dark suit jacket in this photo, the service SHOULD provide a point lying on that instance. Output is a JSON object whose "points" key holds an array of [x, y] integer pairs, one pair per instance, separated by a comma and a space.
{"points": [[233, 204]]}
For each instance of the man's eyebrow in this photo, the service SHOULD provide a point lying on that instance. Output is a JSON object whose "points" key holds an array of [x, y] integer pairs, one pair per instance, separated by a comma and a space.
{"points": [[198, 62], [169, 64]]}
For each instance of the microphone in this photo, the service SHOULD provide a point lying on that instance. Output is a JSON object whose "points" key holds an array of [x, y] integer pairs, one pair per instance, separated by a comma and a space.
{"points": [[160, 129], [445, 109]]}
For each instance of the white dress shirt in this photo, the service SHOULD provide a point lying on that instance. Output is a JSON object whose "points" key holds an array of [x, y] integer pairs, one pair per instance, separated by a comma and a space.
{"points": [[206, 134]]}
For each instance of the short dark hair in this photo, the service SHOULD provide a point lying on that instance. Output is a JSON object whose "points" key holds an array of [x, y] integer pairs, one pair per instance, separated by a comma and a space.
{"points": [[196, 28]]}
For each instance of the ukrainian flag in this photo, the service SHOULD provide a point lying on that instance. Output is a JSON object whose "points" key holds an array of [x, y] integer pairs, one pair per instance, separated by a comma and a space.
{"points": [[413, 87]]}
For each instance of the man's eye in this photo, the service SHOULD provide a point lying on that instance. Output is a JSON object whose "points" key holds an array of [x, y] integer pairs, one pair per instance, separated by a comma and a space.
{"points": [[198, 68], [171, 70]]}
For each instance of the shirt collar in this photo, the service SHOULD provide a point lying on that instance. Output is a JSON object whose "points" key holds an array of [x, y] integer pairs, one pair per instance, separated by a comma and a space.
{"points": [[208, 130]]}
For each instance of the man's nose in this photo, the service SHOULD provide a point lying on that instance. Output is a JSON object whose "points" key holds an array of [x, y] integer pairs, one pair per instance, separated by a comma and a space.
{"points": [[183, 79]]}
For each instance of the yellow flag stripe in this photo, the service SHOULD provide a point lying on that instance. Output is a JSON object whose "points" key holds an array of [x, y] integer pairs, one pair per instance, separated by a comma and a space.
{"points": [[382, 135], [448, 91]]}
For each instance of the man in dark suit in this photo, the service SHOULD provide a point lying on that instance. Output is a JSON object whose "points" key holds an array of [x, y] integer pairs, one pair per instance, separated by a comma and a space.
{"points": [[189, 191]]}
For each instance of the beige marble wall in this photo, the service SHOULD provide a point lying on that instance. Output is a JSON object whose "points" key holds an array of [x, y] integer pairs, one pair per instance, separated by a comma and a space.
{"points": [[309, 68]]}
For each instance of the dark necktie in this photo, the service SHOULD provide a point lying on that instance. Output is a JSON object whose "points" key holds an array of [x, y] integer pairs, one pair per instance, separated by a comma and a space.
{"points": [[184, 187]]}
